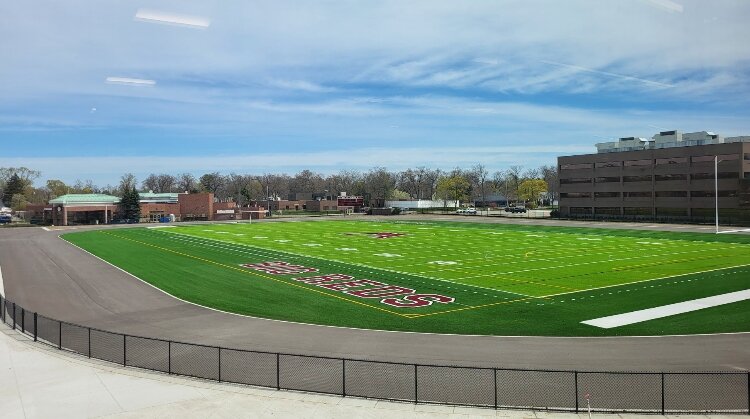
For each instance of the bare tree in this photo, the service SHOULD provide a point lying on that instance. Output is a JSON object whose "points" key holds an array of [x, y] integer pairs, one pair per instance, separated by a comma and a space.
{"points": [[186, 182], [480, 176], [211, 182], [549, 174], [379, 184], [151, 183], [127, 182], [165, 183]]}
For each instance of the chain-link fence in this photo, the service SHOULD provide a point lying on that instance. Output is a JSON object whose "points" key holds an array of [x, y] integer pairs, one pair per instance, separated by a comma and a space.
{"points": [[573, 391]]}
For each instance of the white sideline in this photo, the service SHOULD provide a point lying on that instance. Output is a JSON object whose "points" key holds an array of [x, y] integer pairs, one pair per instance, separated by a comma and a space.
{"points": [[667, 310]]}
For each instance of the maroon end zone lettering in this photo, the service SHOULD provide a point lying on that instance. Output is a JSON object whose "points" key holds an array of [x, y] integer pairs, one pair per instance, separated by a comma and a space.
{"points": [[341, 286], [417, 300], [321, 279], [388, 291]]}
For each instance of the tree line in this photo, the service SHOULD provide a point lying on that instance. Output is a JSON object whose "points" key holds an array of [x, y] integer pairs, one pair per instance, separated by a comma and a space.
{"points": [[475, 184]]}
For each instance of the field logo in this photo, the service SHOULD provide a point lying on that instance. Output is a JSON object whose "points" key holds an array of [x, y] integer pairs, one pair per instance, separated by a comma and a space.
{"points": [[278, 268], [392, 295], [379, 235]]}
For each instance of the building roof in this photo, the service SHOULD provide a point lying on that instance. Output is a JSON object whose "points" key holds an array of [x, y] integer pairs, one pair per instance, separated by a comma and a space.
{"points": [[93, 198], [158, 197]]}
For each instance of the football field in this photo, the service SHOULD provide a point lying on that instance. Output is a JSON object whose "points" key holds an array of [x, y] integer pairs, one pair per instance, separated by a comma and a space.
{"points": [[443, 277]]}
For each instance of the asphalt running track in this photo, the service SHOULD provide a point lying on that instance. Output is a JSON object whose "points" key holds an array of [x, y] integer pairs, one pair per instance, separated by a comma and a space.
{"points": [[45, 274]]}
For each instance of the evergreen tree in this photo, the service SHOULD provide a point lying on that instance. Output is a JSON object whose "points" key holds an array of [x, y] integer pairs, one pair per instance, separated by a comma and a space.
{"points": [[13, 187], [130, 205]]}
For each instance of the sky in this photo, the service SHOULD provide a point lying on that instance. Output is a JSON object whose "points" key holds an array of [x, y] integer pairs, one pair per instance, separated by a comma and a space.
{"points": [[280, 86]]}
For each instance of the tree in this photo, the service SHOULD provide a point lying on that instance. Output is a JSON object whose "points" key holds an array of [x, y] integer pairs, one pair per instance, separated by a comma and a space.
{"points": [[127, 182], [480, 174], [26, 175], [398, 194], [549, 174], [453, 188], [55, 188], [130, 205], [165, 183], [186, 183], [14, 186], [211, 182], [150, 183], [531, 189], [379, 183]]}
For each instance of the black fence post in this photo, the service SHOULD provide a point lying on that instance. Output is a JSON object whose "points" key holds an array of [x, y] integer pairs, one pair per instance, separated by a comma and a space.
{"points": [[575, 374], [278, 372], [89, 341], [219, 364], [494, 375], [748, 392], [14, 316], [662, 393], [59, 335], [35, 328], [23, 320], [169, 357], [416, 389], [125, 350], [343, 377]]}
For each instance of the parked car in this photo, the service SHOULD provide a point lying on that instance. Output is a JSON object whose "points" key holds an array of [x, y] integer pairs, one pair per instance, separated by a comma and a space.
{"points": [[5, 218], [467, 211], [517, 210]]}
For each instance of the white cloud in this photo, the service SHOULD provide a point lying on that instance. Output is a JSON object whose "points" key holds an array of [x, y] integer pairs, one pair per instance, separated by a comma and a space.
{"points": [[106, 167]]}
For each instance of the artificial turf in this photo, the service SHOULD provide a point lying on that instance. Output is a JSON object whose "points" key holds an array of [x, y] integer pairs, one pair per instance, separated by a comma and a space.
{"points": [[504, 279]]}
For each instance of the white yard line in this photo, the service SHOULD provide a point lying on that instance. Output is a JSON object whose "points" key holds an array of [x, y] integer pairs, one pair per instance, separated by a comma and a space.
{"points": [[744, 230], [668, 310], [646, 280], [2, 286]]}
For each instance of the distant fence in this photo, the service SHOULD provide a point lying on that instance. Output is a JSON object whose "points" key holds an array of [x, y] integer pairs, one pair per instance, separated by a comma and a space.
{"points": [[643, 392]]}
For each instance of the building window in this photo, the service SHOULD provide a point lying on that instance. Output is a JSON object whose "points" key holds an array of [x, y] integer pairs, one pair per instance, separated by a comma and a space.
{"points": [[637, 210], [580, 210], [576, 166], [632, 163], [672, 160], [671, 212], [606, 194], [575, 195], [643, 178], [637, 194], [607, 179], [702, 194], [747, 156], [605, 164], [706, 159], [607, 210], [671, 194], [664, 178], [720, 175], [575, 180], [710, 194]]}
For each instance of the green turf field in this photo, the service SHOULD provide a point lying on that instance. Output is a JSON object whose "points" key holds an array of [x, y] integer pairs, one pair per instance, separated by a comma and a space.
{"points": [[445, 277]]}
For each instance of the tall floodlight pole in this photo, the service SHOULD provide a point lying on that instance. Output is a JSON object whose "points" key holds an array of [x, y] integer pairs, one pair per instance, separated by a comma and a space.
{"points": [[716, 190]]}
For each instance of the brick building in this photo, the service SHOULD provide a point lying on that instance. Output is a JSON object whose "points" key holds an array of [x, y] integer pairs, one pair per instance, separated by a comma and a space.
{"points": [[103, 209], [671, 176]]}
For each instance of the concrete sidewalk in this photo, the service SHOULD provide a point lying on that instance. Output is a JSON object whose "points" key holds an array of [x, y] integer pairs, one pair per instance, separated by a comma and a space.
{"points": [[38, 381]]}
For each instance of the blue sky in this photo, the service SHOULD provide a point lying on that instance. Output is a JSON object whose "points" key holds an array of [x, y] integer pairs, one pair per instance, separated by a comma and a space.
{"points": [[280, 86]]}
